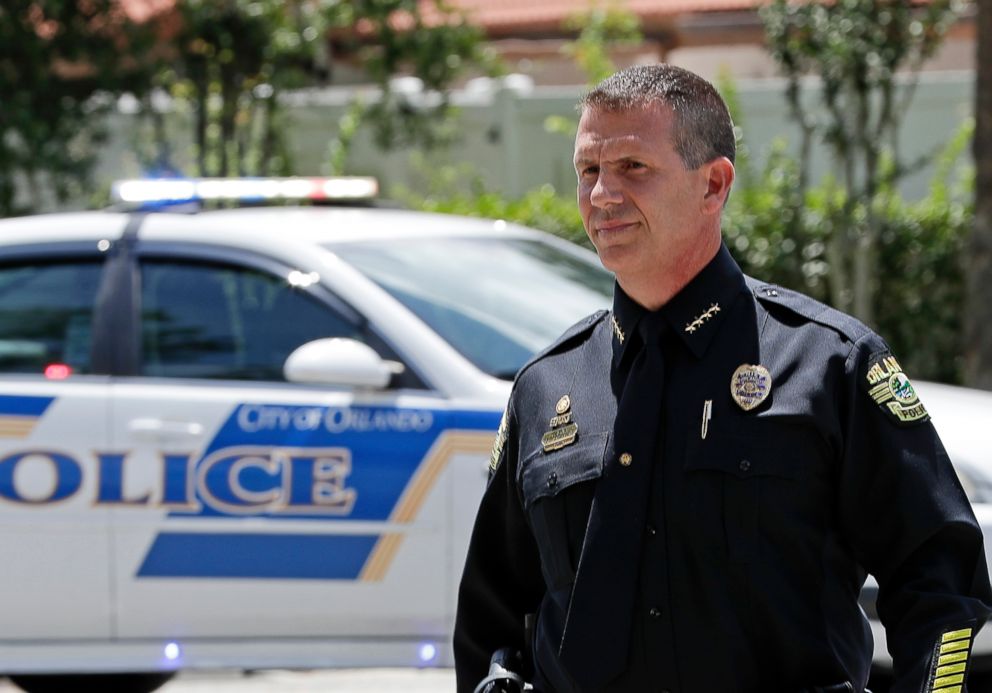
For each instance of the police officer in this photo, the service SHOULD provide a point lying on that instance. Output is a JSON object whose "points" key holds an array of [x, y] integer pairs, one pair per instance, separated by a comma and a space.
{"points": [[687, 491]]}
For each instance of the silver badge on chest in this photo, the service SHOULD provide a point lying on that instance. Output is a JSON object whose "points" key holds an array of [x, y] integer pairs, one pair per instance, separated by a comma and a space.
{"points": [[750, 386]]}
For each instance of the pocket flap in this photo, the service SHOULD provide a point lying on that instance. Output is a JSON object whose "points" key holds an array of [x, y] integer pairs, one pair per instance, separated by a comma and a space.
{"points": [[545, 475], [742, 457]]}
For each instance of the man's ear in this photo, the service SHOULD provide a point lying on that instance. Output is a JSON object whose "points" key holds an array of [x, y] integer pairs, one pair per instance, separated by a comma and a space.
{"points": [[719, 178]]}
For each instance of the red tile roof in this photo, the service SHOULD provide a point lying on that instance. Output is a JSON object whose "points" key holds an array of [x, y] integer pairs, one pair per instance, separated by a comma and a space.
{"points": [[500, 16], [504, 12], [505, 16], [141, 10]]}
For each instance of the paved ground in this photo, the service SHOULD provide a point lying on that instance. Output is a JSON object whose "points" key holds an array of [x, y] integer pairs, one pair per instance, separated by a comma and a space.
{"points": [[359, 681], [339, 681], [342, 681]]}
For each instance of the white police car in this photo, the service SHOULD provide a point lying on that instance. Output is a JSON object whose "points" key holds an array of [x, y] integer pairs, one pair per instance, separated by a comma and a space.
{"points": [[254, 438]]}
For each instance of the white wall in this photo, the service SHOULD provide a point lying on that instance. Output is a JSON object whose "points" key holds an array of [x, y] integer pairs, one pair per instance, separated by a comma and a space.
{"points": [[504, 139]]}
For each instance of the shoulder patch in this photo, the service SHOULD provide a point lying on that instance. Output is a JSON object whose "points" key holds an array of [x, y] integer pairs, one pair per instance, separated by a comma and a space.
{"points": [[497, 453], [809, 308], [572, 333], [891, 390]]}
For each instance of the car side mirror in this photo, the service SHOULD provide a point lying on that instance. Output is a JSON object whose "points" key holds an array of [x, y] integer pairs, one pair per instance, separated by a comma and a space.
{"points": [[339, 361]]}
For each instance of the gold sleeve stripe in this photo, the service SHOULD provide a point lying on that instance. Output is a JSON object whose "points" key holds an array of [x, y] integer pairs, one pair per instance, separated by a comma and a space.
{"points": [[951, 658], [951, 669], [955, 646], [956, 635], [951, 661], [947, 681]]}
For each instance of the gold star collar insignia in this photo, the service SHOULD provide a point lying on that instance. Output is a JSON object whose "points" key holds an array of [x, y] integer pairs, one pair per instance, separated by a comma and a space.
{"points": [[701, 319], [617, 330]]}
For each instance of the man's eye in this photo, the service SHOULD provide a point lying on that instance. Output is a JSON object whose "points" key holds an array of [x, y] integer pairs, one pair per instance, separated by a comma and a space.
{"points": [[633, 165], [590, 170]]}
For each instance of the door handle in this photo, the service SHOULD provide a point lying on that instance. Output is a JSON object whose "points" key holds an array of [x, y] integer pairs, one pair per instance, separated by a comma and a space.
{"points": [[157, 429]]}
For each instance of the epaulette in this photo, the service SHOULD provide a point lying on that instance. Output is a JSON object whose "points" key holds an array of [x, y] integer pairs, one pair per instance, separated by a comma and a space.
{"points": [[572, 334], [849, 327]]}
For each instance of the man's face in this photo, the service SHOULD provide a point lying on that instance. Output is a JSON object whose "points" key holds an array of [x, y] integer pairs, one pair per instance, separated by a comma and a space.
{"points": [[641, 208]]}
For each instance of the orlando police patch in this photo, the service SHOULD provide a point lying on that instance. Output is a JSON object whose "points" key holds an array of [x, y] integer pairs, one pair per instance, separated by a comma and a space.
{"points": [[498, 444], [892, 391]]}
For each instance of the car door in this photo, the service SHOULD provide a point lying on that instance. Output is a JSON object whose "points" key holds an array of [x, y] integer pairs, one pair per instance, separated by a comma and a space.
{"points": [[54, 514], [260, 508]]}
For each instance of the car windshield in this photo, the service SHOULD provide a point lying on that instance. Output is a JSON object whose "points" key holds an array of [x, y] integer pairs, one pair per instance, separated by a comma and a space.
{"points": [[498, 301]]}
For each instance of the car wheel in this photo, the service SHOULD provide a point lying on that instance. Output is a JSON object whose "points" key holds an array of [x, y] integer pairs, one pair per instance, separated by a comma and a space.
{"points": [[105, 683]]}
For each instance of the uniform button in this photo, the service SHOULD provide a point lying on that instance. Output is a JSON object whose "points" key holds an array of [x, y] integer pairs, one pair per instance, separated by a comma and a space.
{"points": [[626, 458], [745, 465], [654, 612], [552, 480], [651, 530]]}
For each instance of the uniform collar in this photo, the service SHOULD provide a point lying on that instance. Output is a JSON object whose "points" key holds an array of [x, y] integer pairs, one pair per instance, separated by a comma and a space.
{"points": [[626, 314], [694, 314]]}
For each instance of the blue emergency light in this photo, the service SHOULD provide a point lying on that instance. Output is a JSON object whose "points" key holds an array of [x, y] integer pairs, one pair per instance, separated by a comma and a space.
{"points": [[427, 653], [172, 651], [171, 191]]}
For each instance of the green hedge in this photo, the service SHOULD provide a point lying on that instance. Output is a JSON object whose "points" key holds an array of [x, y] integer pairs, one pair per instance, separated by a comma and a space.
{"points": [[780, 235]]}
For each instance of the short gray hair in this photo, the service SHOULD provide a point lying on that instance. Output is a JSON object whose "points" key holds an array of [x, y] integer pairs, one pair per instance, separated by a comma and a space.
{"points": [[703, 129]]}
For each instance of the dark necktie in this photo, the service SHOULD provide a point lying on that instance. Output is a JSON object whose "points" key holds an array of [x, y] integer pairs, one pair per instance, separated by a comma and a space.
{"points": [[596, 639]]}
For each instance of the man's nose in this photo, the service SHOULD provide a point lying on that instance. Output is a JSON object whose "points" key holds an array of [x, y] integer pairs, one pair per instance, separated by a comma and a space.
{"points": [[605, 192]]}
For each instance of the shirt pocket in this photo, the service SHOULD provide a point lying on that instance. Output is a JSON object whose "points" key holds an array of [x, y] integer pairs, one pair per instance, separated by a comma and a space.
{"points": [[557, 490], [739, 487]]}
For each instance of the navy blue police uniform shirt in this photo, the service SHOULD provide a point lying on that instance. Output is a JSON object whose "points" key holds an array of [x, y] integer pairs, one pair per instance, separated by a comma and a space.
{"points": [[759, 529]]}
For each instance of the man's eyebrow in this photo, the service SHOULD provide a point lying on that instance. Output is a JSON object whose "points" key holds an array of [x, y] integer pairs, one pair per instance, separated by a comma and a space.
{"points": [[582, 159]]}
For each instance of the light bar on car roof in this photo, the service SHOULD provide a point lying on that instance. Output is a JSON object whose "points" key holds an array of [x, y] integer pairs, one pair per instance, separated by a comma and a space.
{"points": [[175, 190]]}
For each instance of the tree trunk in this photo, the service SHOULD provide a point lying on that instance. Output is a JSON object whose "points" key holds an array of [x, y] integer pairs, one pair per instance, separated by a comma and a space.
{"points": [[863, 259], [201, 85], [978, 258]]}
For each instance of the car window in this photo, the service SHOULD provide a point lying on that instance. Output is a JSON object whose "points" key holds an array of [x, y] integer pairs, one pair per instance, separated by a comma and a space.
{"points": [[223, 321], [46, 312], [497, 301]]}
